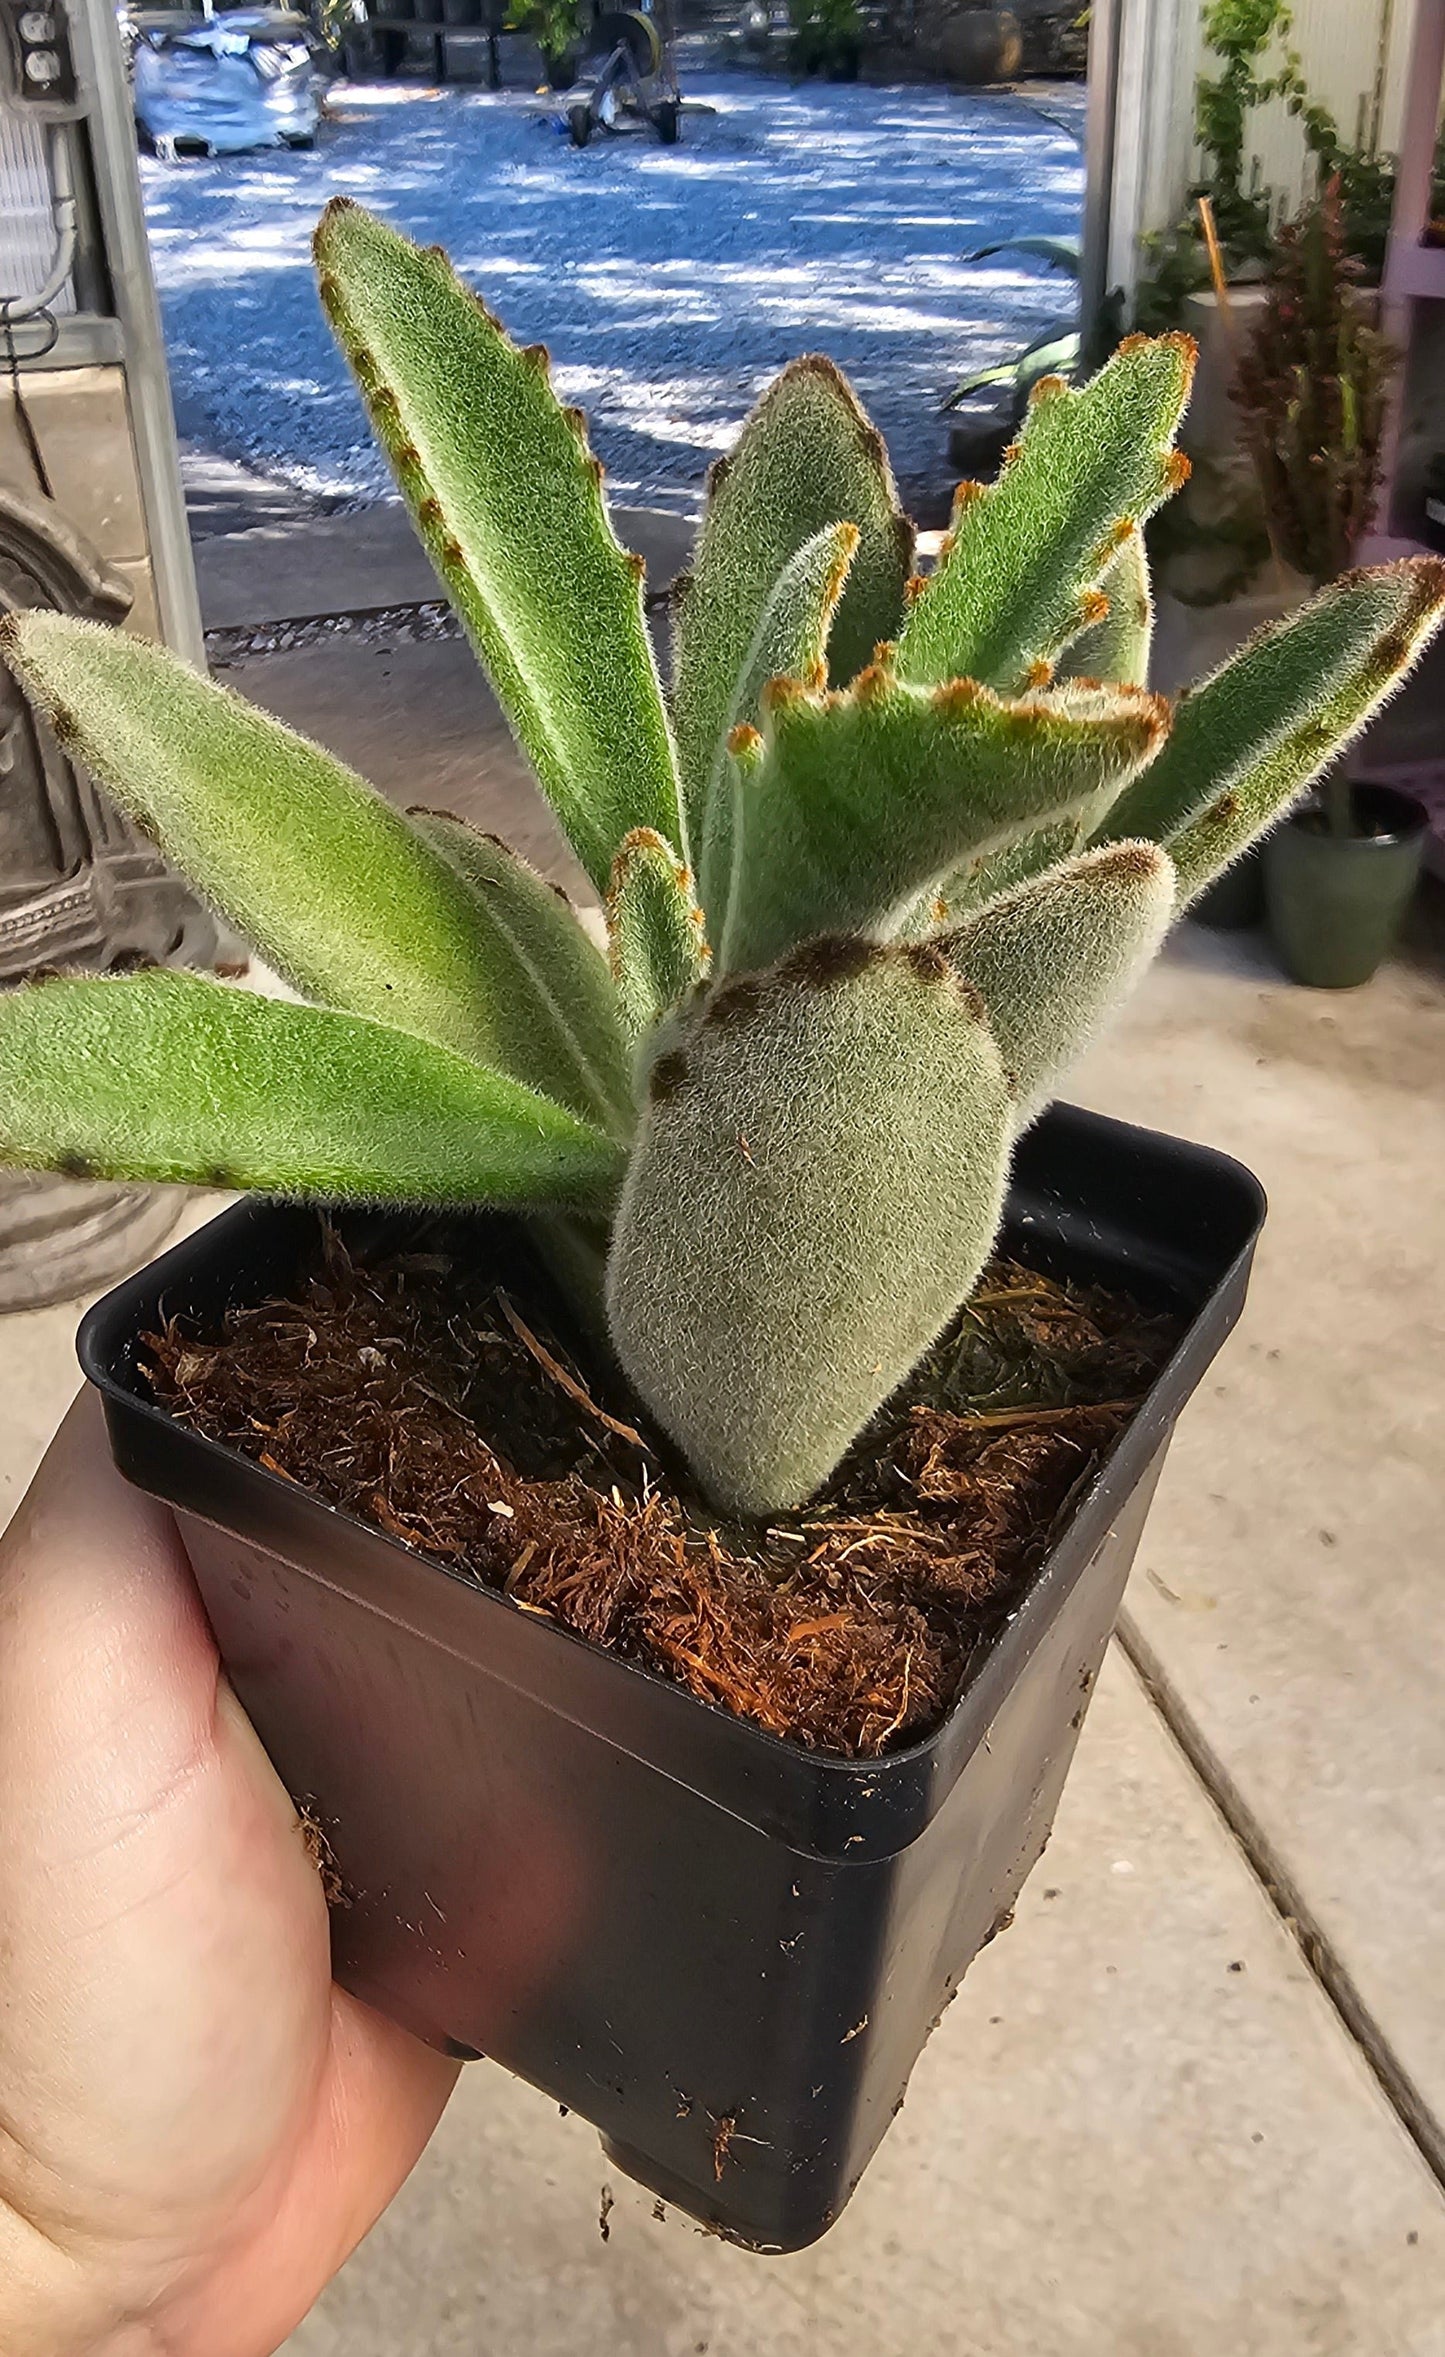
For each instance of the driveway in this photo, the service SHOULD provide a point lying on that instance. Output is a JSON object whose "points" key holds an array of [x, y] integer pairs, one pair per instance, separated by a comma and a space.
{"points": [[669, 283]]}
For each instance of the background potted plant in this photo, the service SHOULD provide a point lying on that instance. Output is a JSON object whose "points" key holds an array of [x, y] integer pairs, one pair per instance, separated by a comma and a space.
{"points": [[684, 1781], [1312, 388], [556, 27], [827, 38]]}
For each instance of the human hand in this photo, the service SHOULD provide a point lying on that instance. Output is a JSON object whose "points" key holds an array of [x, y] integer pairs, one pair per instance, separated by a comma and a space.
{"points": [[196, 2126]]}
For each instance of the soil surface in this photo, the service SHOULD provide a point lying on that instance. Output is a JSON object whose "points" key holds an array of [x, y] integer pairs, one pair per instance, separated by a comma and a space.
{"points": [[417, 1394]]}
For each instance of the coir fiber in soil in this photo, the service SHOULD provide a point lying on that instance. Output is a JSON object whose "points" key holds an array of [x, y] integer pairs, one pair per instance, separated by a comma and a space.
{"points": [[423, 1398]]}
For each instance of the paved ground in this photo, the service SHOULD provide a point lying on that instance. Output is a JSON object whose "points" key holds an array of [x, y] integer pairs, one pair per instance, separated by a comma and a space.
{"points": [[1192, 2104], [669, 283]]}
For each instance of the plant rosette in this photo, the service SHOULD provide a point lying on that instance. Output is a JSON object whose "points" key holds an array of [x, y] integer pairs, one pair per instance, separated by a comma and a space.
{"points": [[874, 868]]}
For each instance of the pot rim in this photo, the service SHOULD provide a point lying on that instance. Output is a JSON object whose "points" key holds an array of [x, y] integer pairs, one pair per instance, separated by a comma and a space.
{"points": [[1408, 831]]}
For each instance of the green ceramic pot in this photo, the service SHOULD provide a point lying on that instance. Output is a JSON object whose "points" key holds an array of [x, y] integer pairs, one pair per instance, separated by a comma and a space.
{"points": [[1335, 902]]}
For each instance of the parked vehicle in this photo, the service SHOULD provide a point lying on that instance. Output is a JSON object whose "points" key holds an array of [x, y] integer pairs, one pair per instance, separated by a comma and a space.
{"points": [[225, 84]]}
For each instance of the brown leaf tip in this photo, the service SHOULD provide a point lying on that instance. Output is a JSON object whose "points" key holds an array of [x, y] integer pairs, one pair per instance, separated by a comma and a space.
{"points": [[537, 358], [1130, 861], [959, 695], [848, 539], [1394, 650], [926, 959], [1113, 540], [667, 1076], [733, 1002], [831, 958], [970, 997]]}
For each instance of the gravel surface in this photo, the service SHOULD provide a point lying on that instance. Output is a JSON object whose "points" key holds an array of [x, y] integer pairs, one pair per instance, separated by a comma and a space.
{"points": [[669, 283]]}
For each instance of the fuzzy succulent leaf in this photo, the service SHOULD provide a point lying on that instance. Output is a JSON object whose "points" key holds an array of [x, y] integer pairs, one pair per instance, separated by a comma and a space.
{"points": [[853, 804], [655, 934], [552, 1004], [508, 503], [171, 1077], [333, 887], [790, 642], [1118, 646], [1114, 650], [1026, 555], [807, 458], [986, 879], [816, 1184], [1050, 959], [1252, 738]]}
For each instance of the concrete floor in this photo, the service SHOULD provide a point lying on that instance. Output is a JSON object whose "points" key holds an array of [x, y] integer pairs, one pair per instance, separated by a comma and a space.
{"points": [[1192, 2105]]}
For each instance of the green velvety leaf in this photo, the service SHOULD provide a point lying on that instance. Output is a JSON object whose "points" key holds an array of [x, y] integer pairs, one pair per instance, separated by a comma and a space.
{"points": [[790, 642], [1025, 554], [553, 1006], [854, 804], [1058, 351], [171, 1077], [816, 1184], [654, 931], [1050, 959], [1061, 253], [1117, 647], [333, 887], [982, 880], [1252, 738], [806, 459], [508, 503]]}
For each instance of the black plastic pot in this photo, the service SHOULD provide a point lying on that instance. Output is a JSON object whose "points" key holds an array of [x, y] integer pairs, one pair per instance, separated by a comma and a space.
{"points": [[1336, 902], [722, 1949]]}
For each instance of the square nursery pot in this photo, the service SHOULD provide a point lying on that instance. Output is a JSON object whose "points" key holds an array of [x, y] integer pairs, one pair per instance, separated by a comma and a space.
{"points": [[724, 1950]]}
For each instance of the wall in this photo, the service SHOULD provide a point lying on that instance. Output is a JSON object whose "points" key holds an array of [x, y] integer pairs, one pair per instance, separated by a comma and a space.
{"points": [[1341, 44]]}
